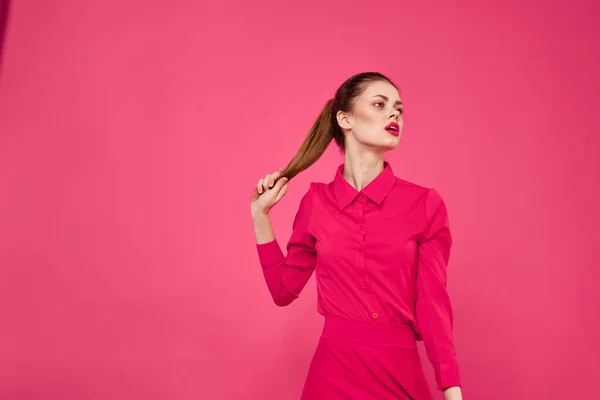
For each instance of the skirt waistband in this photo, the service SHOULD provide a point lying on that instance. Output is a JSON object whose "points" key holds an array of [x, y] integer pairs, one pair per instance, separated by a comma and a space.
{"points": [[369, 333]]}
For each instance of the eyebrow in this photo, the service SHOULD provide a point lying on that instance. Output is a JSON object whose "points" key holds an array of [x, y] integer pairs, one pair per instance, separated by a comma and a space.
{"points": [[398, 102]]}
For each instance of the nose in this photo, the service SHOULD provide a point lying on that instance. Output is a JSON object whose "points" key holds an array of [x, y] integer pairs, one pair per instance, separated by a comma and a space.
{"points": [[395, 113]]}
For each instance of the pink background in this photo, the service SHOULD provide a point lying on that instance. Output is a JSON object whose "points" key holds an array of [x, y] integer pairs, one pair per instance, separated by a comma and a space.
{"points": [[132, 133]]}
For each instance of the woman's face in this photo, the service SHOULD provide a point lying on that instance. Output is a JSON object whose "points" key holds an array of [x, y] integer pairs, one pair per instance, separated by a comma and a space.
{"points": [[376, 118]]}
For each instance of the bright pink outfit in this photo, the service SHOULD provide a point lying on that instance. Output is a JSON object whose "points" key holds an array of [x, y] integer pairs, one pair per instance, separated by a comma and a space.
{"points": [[380, 258]]}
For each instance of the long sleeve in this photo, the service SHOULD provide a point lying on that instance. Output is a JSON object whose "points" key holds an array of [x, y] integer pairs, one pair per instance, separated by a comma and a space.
{"points": [[286, 276], [433, 307]]}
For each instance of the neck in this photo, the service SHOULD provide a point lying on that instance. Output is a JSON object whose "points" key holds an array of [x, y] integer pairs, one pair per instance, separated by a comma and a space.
{"points": [[361, 169]]}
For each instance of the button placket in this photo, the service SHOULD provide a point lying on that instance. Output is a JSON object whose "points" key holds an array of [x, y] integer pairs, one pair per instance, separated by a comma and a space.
{"points": [[364, 282], [361, 248]]}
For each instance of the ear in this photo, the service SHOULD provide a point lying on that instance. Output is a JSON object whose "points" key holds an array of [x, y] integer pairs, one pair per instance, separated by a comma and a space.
{"points": [[343, 120]]}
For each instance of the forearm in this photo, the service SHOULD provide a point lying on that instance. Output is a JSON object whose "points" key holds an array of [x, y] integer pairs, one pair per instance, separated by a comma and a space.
{"points": [[286, 275], [263, 228], [453, 393], [272, 259]]}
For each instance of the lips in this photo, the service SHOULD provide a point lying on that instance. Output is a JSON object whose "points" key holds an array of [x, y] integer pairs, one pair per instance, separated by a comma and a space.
{"points": [[393, 128]]}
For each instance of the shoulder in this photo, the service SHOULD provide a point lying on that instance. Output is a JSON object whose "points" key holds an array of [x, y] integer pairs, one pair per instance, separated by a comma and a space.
{"points": [[429, 205], [313, 192], [406, 185], [428, 198], [417, 191], [317, 189]]}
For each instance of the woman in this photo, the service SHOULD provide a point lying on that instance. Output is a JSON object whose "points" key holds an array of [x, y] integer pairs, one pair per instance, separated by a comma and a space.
{"points": [[379, 246]]}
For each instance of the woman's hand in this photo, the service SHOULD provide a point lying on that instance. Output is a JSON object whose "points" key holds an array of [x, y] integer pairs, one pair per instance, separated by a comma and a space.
{"points": [[271, 189], [453, 393]]}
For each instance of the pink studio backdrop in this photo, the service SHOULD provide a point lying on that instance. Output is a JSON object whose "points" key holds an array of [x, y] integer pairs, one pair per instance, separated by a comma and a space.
{"points": [[132, 132]]}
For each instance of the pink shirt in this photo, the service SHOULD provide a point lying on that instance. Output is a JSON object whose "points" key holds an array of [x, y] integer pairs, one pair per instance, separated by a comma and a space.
{"points": [[380, 255]]}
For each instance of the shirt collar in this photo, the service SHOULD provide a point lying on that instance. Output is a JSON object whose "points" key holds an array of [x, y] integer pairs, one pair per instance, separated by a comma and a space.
{"points": [[376, 190]]}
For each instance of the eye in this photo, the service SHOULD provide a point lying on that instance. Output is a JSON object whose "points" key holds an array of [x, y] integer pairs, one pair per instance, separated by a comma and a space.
{"points": [[400, 110], [379, 104]]}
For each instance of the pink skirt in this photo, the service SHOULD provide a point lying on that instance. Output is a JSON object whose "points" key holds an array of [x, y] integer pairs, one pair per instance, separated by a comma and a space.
{"points": [[366, 361]]}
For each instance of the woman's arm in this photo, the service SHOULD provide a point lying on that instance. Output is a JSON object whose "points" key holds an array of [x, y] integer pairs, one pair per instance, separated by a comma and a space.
{"points": [[433, 307], [453, 393], [285, 275], [263, 229]]}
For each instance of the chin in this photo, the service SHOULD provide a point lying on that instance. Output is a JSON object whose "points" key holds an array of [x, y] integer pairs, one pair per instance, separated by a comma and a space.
{"points": [[392, 144], [384, 147], [382, 143]]}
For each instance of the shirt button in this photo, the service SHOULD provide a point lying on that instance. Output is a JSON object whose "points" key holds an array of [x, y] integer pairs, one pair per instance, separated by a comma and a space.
{"points": [[361, 228], [375, 315], [360, 249], [364, 283]]}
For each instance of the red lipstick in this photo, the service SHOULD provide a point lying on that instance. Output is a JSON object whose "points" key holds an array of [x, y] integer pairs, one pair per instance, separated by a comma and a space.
{"points": [[393, 128]]}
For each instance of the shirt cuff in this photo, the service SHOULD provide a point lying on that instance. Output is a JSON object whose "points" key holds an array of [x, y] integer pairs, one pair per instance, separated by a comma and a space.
{"points": [[269, 254], [447, 375]]}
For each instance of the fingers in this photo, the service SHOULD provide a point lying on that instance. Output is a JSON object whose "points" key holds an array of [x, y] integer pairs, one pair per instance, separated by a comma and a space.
{"points": [[259, 186], [268, 182], [273, 177], [283, 189], [279, 185]]}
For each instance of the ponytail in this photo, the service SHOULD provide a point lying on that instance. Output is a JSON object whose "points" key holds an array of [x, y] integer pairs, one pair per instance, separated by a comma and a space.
{"points": [[316, 142], [325, 127]]}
